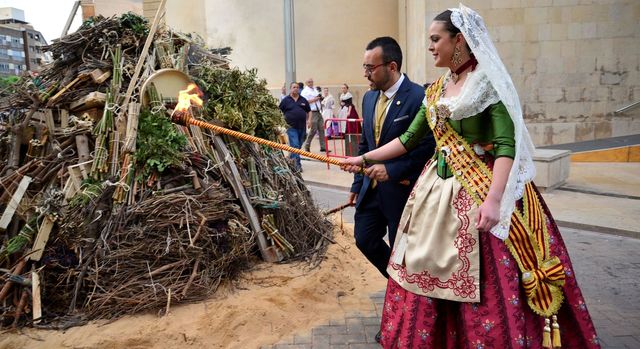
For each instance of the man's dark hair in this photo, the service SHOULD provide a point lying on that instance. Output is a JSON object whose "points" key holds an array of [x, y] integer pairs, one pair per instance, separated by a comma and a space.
{"points": [[448, 25], [391, 51]]}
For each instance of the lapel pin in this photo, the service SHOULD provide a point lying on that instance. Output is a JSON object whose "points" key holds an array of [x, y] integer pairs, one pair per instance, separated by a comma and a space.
{"points": [[398, 103]]}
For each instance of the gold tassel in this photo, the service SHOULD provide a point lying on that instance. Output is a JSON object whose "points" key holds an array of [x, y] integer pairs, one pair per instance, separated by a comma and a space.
{"points": [[546, 335], [556, 333]]}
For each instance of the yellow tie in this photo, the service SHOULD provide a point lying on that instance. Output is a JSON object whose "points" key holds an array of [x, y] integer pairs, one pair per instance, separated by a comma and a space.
{"points": [[381, 108]]}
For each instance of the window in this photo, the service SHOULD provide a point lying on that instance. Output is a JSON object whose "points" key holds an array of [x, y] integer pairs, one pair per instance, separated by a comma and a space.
{"points": [[30, 35], [32, 49]]}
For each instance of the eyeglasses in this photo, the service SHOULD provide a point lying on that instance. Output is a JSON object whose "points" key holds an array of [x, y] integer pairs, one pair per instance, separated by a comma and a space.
{"points": [[368, 68]]}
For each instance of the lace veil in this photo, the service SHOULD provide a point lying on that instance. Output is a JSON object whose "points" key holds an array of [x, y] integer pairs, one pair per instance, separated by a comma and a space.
{"points": [[475, 32]]}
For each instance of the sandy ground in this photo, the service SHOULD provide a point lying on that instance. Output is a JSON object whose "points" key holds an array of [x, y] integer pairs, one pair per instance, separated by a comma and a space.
{"points": [[271, 303]]}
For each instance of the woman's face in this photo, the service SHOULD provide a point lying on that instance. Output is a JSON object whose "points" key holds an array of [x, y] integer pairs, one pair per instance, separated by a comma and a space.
{"points": [[344, 89], [441, 44]]}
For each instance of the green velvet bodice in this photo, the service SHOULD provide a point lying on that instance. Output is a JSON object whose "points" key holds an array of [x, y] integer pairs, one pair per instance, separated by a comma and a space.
{"points": [[492, 129]]}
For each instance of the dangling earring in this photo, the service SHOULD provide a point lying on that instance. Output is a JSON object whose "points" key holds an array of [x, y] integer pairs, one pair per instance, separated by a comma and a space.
{"points": [[456, 59]]}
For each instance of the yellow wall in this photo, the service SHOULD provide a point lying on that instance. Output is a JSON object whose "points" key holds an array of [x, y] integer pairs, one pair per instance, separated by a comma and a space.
{"points": [[330, 35], [573, 62]]}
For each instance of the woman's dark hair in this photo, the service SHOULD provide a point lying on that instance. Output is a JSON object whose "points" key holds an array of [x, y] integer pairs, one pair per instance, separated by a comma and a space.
{"points": [[345, 85], [448, 25], [445, 17]]}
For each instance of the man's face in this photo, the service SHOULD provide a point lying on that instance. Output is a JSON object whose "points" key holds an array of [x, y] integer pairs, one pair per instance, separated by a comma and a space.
{"points": [[295, 89], [376, 70], [310, 82]]}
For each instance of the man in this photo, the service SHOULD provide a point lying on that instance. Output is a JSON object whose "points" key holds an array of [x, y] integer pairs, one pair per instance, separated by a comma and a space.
{"points": [[315, 123], [387, 109], [296, 113]]}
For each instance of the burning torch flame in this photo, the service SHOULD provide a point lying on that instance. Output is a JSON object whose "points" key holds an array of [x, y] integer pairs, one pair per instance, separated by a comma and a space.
{"points": [[188, 97]]}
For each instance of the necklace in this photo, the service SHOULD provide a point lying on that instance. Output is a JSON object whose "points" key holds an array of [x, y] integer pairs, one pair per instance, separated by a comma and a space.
{"points": [[473, 62]]}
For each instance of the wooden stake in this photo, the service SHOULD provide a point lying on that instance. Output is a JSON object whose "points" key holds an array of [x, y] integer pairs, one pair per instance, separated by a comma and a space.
{"points": [[14, 202], [82, 145], [64, 118], [166, 312], [41, 239], [230, 171], [143, 56], [37, 300]]}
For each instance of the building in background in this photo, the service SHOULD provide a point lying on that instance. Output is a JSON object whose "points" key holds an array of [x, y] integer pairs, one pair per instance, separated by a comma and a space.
{"points": [[20, 44], [108, 8], [574, 63]]}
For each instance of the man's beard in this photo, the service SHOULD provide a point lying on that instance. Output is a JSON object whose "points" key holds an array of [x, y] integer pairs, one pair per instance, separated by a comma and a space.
{"points": [[375, 86]]}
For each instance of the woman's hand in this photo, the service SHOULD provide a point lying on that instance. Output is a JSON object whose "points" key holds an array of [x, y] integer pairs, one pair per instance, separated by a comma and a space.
{"points": [[352, 164], [488, 214]]}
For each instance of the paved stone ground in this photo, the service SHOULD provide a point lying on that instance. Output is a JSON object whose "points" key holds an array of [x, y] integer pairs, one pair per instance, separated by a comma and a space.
{"points": [[607, 268]]}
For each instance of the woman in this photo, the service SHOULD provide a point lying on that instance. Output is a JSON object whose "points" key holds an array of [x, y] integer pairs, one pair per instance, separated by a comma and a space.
{"points": [[349, 112], [478, 260], [328, 102]]}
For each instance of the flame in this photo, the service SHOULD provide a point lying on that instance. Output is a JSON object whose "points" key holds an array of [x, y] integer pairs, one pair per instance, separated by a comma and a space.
{"points": [[188, 97]]}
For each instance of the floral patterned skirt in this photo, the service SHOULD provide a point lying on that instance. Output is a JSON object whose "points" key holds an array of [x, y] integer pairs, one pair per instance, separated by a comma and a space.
{"points": [[502, 318]]}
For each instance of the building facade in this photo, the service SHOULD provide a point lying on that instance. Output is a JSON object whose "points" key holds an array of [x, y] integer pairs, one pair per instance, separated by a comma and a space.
{"points": [[574, 62], [20, 44]]}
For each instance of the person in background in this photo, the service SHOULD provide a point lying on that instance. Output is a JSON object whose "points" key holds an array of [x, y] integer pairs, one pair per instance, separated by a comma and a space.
{"points": [[315, 122], [349, 112], [344, 89], [296, 113], [328, 103]]}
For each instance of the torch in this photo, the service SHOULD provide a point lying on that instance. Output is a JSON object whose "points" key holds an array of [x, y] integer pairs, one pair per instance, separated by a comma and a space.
{"points": [[182, 116]]}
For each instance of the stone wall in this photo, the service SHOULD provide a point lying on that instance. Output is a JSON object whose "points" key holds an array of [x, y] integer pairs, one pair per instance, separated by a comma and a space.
{"points": [[574, 62], [330, 35]]}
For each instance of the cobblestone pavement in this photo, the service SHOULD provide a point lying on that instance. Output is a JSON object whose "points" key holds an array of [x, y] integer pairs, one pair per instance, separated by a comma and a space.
{"points": [[607, 268]]}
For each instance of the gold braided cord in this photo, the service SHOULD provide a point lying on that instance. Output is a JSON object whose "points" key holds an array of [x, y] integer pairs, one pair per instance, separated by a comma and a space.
{"points": [[528, 241], [184, 118]]}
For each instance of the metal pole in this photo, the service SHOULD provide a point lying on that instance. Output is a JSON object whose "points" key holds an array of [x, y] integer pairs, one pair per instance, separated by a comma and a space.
{"points": [[67, 25], [289, 43]]}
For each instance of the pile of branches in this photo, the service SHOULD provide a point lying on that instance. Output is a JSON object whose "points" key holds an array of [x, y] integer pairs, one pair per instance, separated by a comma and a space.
{"points": [[110, 209]]}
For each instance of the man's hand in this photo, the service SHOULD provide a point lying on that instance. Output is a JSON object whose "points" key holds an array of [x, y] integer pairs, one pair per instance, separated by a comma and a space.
{"points": [[377, 172], [353, 197], [352, 164]]}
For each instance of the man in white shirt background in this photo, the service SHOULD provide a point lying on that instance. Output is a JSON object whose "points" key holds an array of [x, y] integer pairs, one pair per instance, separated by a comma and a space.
{"points": [[315, 122]]}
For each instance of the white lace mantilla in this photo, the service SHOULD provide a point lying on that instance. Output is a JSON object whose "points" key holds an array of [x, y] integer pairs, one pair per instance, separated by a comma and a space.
{"points": [[476, 95], [475, 32]]}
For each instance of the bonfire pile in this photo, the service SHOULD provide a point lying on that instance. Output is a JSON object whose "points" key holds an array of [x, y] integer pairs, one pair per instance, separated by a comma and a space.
{"points": [[107, 208]]}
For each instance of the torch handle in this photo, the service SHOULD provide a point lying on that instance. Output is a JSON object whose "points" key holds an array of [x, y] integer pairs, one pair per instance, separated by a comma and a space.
{"points": [[184, 118]]}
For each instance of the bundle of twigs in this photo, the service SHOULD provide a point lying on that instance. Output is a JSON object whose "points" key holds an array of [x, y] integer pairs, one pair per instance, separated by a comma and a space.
{"points": [[170, 248], [286, 197]]}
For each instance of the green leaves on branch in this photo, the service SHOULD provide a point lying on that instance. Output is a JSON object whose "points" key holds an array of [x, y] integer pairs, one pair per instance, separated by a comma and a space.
{"points": [[240, 100], [159, 144]]}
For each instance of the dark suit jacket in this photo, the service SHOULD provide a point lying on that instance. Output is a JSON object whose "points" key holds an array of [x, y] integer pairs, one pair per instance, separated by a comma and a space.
{"points": [[403, 109]]}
